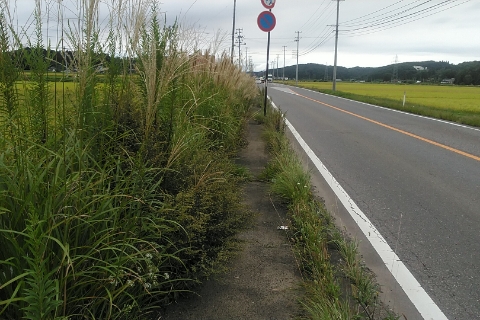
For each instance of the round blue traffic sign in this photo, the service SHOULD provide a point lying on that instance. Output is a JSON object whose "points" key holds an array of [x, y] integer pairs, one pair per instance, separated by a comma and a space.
{"points": [[269, 4], [266, 21]]}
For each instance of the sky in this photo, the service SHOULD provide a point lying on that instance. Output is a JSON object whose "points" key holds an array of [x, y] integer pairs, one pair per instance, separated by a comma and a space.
{"points": [[372, 33]]}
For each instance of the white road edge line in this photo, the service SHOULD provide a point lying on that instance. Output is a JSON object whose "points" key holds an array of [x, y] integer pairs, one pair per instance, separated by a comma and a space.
{"points": [[417, 295]]}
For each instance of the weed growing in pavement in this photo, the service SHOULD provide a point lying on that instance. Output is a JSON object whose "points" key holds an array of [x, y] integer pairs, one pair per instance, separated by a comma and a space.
{"points": [[337, 285]]}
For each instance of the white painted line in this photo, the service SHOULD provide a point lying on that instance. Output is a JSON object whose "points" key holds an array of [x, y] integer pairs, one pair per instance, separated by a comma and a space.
{"points": [[422, 301], [287, 90]]}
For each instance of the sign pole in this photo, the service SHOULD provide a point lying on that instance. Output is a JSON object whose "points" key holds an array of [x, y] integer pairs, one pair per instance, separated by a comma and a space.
{"points": [[266, 22], [266, 76]]}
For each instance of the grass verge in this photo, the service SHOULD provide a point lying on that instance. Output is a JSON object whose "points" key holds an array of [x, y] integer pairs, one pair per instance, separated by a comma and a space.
{"points": [[337, 284]]}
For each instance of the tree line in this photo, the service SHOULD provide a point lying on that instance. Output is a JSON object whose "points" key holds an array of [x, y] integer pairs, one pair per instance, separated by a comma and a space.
{"points": [[466, 73], [57, 61]]}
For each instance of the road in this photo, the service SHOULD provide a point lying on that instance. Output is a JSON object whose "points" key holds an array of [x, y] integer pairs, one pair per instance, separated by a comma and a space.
{"points": [[416, 179]]}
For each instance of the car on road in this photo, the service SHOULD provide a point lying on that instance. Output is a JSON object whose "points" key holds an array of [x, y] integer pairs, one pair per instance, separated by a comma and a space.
{"points": [[258, 80]]}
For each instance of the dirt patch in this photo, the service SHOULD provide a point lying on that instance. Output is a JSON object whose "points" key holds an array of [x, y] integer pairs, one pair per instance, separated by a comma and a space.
{"points": [[263, 280]]}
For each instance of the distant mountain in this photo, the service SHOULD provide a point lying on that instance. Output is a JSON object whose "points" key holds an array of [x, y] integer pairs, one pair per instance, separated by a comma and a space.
{"points": [[467, 73]]}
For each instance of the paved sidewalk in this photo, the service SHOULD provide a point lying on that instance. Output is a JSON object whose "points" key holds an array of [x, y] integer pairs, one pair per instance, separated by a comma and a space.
{"points": [[264, 279]]}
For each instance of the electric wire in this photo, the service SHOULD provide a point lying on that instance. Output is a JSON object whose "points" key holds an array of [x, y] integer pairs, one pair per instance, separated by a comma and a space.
{"points": [[363, 18], [380, 20], [313, 14], [321, 19], [405, 19], [324, 38], [323, 35], [395, 16]]}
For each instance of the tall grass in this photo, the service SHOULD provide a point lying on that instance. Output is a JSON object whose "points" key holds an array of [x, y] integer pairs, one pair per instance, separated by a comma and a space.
{"points": [[119, 193]]}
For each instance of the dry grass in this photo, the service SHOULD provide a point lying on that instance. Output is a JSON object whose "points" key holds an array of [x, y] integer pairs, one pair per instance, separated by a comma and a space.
{"points": [[117, 192]]}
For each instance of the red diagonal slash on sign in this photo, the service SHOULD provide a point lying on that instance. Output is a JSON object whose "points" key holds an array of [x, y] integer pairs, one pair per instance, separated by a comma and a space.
{"points": [[266, 21]]}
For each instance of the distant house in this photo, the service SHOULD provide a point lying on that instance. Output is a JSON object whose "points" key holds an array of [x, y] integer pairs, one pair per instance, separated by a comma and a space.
{"points": [[448, 81], [101, 69], [420, 68]]}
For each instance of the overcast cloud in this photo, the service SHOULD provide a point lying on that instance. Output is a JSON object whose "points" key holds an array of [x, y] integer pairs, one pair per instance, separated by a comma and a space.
{"points": [[372, 32]]}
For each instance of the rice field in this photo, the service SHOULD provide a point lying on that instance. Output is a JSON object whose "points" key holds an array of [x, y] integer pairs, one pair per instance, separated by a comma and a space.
{"points": [[459, 104], [455, 98]]}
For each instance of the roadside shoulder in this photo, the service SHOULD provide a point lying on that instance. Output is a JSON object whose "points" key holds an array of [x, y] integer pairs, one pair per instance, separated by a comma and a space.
{"points": [[263, 281]]}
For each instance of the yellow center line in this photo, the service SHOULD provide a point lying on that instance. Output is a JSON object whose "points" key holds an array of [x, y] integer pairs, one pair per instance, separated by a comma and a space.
{"points": [[463, 153]]}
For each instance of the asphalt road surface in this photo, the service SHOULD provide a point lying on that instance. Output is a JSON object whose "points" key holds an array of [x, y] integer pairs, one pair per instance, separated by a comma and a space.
{"points": [[416, 179]]}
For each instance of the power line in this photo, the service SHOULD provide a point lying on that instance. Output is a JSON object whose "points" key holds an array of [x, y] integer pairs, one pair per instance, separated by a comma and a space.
{"points": [[314, 13], [321, 35], [277, 38], [327, 35], [402, 18], [388, 15], [386, 20], [364, 16], [321, 19]]}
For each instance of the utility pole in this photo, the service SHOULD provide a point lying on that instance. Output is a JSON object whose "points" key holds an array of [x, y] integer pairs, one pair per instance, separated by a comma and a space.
{"points": [[395, 70], [277, 64], [298, 41], [233, 30], [283, 74], [336, 47], [240, 43], [246, 59]]}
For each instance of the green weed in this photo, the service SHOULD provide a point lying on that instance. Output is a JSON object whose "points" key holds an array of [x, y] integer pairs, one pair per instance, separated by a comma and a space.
{"points": [[118, 190], [337, 285]]}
